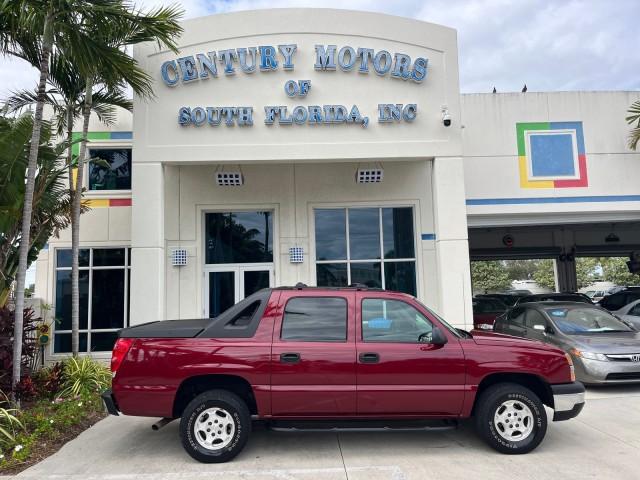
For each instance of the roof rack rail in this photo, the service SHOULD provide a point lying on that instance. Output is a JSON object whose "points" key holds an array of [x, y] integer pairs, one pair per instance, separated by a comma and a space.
{"points": [[359, 286], [300, 285]]}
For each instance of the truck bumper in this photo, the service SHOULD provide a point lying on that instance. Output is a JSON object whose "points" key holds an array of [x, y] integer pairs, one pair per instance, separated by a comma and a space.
{"points": [[568, 400], [109, 402]]}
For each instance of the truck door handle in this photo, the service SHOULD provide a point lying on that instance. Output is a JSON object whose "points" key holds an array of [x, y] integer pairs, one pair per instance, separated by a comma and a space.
{"points": [[369, 357], [289, 357]]}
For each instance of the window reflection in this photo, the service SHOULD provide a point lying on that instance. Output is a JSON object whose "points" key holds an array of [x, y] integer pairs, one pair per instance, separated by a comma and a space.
{"points": [[239, 237]]}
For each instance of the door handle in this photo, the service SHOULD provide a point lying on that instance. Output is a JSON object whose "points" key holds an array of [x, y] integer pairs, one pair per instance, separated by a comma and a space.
{"points": [[289, 357], [369, 357]]}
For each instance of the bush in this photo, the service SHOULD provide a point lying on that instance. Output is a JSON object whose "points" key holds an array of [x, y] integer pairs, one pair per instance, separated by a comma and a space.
{"points": [[9, 423], [48, 380], [26, 389], [29, 345], [84, 376]]}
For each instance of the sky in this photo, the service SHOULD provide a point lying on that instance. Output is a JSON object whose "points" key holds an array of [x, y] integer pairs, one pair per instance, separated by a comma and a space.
{"points": [[551, 45]]}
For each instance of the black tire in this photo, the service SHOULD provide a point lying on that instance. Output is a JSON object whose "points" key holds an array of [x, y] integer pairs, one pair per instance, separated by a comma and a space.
{"points": [[239, 426], [491, 400]]}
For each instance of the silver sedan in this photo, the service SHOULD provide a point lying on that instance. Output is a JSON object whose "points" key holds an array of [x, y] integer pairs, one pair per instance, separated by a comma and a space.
{"points": [[604, 349], [630, 314]]}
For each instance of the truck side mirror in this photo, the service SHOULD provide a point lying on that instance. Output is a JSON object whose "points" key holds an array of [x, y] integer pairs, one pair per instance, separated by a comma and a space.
{"points": [[437, 337]]}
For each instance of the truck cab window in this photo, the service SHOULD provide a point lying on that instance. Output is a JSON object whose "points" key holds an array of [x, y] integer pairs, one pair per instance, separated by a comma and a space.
{"points": [[393, 321], [315, 319]]}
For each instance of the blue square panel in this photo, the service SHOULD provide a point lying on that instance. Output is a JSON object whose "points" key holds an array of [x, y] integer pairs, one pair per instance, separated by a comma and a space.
{"points": [[552, 155]]}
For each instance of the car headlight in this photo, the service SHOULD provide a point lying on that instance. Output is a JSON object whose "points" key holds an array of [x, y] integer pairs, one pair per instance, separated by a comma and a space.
{"points": [[589, 355]]}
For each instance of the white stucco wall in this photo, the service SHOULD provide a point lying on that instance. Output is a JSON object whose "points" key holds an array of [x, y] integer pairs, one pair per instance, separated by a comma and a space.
{"points": [[294, 168], [491, 156]]}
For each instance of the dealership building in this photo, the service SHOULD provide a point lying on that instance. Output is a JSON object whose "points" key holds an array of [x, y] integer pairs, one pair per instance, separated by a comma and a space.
{"points": [[332, 148]]}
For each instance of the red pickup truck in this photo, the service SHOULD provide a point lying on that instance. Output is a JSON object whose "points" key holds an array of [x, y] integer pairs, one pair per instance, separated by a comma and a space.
{"points": [[339, 357]]}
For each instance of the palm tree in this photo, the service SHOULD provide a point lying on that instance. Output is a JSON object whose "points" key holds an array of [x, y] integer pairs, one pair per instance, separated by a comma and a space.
{"points": [[160, 25], [69, 26], [51, 202], [634, 119]]}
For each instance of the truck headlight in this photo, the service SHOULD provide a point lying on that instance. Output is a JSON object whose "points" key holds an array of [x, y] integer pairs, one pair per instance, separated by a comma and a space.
{"points": [[589, 355]]}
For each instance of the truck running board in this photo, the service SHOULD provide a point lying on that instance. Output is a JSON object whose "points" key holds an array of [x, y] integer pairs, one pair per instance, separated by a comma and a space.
{"points": [[359, 425]]}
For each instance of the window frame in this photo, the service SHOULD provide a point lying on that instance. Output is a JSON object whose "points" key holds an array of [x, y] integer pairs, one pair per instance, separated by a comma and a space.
{"points": [[315, 297], [105, 144], [425, 317], [126, 267], [348, 261]]}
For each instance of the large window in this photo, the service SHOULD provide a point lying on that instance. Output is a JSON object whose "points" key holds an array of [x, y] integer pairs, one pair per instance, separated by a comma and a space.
{"points": [[239, 237], [104, 298], [110, 169], [372, 246]]}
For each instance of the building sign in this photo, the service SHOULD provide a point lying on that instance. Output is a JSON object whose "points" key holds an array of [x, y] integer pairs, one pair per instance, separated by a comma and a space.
{"points": [[267, 58]]}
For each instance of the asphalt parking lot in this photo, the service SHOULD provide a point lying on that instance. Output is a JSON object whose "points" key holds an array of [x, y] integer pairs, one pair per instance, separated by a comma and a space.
{"points": [[603, 442]]}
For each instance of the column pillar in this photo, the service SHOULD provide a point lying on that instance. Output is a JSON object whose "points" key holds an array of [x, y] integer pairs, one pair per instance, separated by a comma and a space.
{"points": [[147, 287], [452, 243]]}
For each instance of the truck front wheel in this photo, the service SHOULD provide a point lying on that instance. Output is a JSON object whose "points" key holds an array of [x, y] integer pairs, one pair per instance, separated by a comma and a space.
{"points": [[215, 426], [511, 418]]}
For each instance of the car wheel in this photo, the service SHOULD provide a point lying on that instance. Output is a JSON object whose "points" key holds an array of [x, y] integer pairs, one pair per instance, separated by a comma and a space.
{"points": [[511, 418], [215, 426]]}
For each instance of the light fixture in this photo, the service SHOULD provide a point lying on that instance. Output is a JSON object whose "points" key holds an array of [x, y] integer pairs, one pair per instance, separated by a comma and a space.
{"points": [[179, 257], [296, 255], [369, 175], [229, 179]]}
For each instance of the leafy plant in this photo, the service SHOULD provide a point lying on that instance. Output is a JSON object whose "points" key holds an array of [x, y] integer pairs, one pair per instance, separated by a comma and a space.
{"points": [[84, 376], [9, 422], [29, 346], [26, 389], [48, 380]]}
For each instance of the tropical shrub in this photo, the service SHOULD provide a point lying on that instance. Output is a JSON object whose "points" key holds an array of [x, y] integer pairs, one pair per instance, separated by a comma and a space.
{"points": [[29, 346], [84, 376], [48, 380], [9, 423]]}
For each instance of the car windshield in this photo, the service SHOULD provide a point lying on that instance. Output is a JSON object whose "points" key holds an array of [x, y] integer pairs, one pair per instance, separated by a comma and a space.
{"points": [[576, 321]]}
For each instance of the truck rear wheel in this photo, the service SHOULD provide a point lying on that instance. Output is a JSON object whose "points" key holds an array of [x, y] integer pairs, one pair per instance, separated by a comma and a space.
{"points": [[215, 426], [511, 418]]}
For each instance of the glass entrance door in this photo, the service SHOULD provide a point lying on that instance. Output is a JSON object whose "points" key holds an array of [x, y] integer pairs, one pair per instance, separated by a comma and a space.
{"points": [[227, 285], [238, 251]]}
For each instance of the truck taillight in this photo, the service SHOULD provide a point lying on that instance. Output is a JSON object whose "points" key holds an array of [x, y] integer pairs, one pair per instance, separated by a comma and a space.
{"points": [[120, 350]]}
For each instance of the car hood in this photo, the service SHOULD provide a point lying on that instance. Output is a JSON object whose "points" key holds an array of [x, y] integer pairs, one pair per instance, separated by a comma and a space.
{"points": [[628, 342], [483, 337]]}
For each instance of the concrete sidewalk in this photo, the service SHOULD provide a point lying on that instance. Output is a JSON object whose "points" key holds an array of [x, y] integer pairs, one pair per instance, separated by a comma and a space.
{"points": [[603, 442]]}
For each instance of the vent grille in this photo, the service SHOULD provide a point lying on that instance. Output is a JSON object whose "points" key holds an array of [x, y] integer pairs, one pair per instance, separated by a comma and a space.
{"points": [[369, 175], [179, 257], [229, 179]]}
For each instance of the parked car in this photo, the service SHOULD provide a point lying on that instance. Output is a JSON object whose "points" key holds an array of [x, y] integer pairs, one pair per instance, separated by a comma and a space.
{"points": [[485, 311], [505, 298], [630, 313], [603, 348], [555, 297], [520, 292], [595, 295], [617, 300], [289, 355]]}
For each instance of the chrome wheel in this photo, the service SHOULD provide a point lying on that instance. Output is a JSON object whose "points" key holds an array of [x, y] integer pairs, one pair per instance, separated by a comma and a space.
{"points": [[513, 421], [214, 428]]}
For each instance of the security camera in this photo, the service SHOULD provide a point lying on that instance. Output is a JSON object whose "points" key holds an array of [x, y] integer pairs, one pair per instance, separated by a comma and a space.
{"points": [[446, 117]]}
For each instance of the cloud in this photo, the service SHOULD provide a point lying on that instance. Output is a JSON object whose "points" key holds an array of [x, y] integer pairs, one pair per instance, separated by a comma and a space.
{"points": [[549, 45]]}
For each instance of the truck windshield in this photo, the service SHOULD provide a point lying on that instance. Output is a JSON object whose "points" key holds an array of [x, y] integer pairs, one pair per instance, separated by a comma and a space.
{"points": [[453, 330]]}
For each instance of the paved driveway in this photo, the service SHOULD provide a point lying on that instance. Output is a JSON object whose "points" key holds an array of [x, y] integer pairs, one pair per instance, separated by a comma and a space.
{"points": [[603, 442]]}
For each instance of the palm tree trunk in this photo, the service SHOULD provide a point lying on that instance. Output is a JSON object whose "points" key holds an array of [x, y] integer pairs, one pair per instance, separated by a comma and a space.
{"points": [[75, 223], [47, 44], [70, 149]]}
